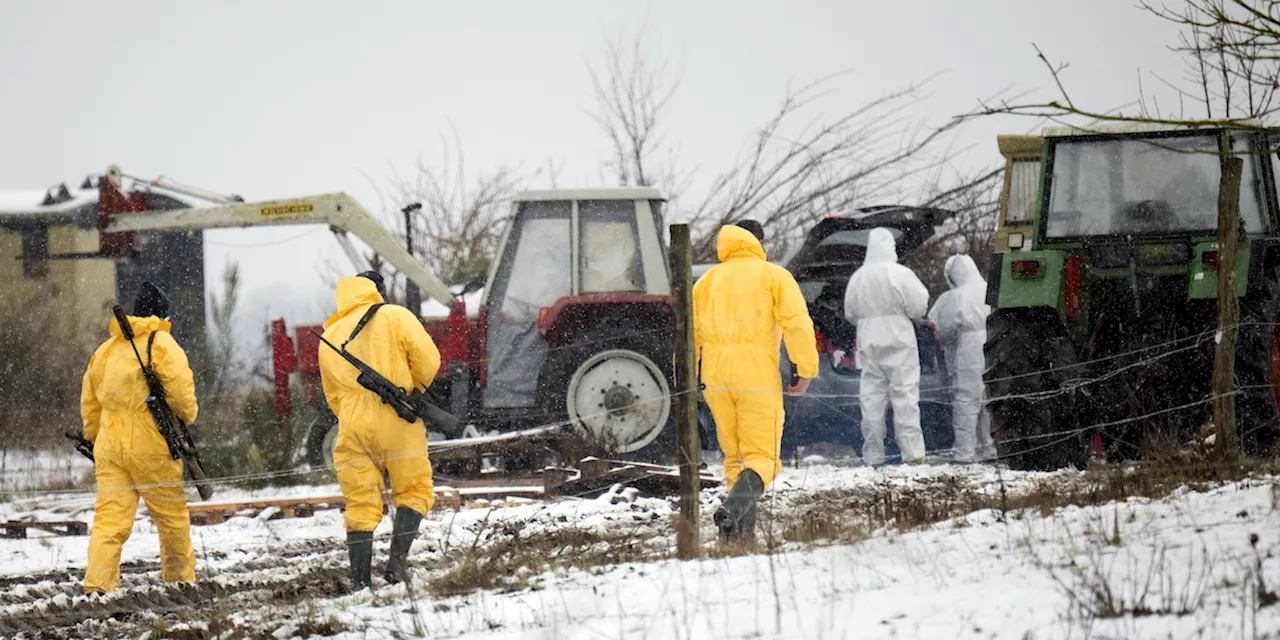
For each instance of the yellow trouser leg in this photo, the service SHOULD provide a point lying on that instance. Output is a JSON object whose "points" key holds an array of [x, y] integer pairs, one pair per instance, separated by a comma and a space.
{"points": [[361, 483], [161, 481], [114, 511], [409, 468], [725, 413], [760, 419]]}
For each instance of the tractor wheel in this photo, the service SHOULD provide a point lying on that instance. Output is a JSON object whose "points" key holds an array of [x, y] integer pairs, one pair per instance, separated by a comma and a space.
{"points": [[1258, 370], [320, 438], [616, 392], [1026, 353]]}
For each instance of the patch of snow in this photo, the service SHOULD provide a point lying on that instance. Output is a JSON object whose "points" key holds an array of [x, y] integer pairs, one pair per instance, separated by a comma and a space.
{"points": [[433, 309]]}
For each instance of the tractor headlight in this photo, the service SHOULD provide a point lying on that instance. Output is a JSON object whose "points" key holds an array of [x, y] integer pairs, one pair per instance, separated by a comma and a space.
{"points": [[1016, 240]]}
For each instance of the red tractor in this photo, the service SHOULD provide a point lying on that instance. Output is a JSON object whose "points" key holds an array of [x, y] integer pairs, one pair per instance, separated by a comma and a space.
{"points": [[574, 327]]}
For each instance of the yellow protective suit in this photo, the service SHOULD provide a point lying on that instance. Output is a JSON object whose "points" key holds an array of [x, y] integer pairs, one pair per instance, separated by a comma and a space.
{"points": [[742, 308], [130, 456], [371, 437]]}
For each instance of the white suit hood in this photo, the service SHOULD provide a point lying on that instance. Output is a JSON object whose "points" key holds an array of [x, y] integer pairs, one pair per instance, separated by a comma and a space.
{"points": [[961, 270], [880, 246], [964, 307]]}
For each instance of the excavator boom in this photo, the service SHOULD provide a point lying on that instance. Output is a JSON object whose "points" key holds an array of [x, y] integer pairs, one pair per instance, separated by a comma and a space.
{"points": [[337, 210]]}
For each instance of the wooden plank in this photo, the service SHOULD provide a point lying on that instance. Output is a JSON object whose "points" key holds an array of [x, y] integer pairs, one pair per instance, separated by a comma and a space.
{"points": [[17, 529]]}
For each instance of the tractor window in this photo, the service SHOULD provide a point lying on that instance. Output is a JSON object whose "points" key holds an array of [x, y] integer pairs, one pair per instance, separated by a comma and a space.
{"points": [[1024, 185], [534, 273], [539, 271], [1160, 185], [610, 253]]}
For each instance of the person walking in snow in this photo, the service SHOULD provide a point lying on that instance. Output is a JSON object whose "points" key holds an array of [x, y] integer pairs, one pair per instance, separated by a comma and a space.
{"points": [[961, 317], [884, 300], [743, 308], [372, 438], [131, 458]]}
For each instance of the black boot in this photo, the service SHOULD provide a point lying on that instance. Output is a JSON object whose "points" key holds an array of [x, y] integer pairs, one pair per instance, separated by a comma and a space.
{"points": [[736, 517], [360, 551], [402, 537]]}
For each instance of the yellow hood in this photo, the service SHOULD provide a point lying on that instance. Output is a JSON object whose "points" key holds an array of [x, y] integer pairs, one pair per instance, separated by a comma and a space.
{"points": [[141, 326], [354, 292], [736, 242]]}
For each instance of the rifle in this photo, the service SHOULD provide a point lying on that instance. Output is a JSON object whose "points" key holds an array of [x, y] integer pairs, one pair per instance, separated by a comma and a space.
{"points": [[409, 406], [81, 443], [176, 434]]}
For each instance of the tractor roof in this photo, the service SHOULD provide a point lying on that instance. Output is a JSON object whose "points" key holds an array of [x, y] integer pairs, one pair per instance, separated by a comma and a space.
{"points": [[1119, 128], [604, 193]]}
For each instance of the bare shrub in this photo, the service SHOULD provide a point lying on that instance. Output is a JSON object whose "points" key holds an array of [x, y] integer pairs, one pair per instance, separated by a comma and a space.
{"points": [[801, 164], [40, 377]]}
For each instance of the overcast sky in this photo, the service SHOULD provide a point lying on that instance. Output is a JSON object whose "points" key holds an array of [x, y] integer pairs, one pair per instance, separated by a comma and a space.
{"points": [[276, 99]]}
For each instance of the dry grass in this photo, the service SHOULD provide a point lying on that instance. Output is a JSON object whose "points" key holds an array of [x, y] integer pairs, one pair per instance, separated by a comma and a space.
{"points": [[851, 513], [511, 555]]}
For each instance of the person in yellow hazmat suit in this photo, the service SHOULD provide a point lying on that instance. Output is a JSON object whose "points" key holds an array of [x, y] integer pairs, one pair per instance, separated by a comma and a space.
{"points": [[372, 438], [743, 308], [131, 458]]}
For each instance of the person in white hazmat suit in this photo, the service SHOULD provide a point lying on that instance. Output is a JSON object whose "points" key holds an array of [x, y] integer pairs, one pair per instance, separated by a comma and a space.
{"points": [[884, 299], [961, 317]]}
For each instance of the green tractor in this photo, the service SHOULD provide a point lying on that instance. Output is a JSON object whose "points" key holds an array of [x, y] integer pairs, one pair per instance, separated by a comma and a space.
{"points": [[1103, 287]]}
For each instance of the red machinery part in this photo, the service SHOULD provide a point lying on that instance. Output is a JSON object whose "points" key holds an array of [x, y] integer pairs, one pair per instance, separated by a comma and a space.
{"points": [[457, 341], [1074, 287], [309, 360], [284, 361], [112, 202]]}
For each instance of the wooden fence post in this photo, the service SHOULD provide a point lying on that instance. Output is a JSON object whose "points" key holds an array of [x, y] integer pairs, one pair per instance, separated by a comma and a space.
{"points": [[685, 392], [1224, 359]]}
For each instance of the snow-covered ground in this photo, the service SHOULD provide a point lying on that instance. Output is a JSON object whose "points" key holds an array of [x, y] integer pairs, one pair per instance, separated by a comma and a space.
{"points": [[1181, 566]]}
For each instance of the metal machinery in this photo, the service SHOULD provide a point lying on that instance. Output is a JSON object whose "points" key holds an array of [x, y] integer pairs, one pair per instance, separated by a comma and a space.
{"points": [[1103, 287]]}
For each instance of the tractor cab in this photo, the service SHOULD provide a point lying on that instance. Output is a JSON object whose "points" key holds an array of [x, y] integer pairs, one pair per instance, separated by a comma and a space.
{"points": [[577, 317], [1106, 260]]}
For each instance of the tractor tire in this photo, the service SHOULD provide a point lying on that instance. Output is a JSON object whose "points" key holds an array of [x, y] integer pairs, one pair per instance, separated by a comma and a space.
{"points": [[1258, 370], [614, 386], [1026, 353], [320, 437]]}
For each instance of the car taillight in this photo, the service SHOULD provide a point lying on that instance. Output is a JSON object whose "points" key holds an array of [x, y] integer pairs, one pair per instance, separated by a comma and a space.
{"points": [[1210, 259], [1025, 269]]}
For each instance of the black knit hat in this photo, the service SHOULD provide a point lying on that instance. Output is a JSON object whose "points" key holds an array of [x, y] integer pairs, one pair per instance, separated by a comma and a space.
{"points": [[377, 281], [754, 227], [151, 301]]}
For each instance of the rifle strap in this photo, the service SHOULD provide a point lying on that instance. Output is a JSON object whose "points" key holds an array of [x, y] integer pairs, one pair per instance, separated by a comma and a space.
{"points": [[368, 315], [151, 339]]}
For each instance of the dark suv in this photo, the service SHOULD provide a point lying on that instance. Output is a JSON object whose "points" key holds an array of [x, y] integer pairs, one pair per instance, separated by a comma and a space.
{"points": [[830, 412]]}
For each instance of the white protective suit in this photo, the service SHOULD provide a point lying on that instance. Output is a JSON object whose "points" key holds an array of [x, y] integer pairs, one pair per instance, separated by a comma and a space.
{"points": [[961, 317], [882, 300]]}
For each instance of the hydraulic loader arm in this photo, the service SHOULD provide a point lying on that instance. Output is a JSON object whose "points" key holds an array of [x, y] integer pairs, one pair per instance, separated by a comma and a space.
{"points": [[338, 210]]}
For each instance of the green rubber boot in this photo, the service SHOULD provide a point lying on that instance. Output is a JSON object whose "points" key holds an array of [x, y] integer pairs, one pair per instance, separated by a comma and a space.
{"points": [[402, 537], [736, 517], [360, 551]]}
